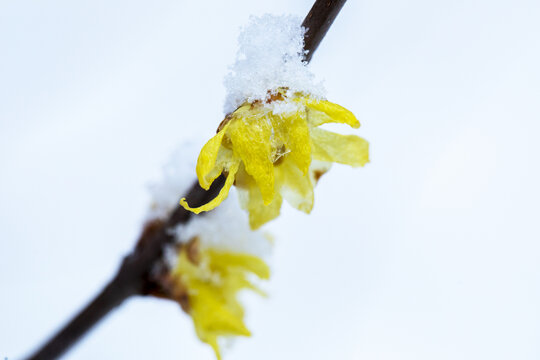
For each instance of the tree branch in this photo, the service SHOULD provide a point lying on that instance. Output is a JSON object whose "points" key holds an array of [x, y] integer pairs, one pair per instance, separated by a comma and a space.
{"points": [[133, 277], [317, 22]]}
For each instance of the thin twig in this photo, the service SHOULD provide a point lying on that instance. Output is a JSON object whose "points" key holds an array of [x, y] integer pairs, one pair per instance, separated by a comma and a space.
{"points": [[317, 22], [133, 277]]}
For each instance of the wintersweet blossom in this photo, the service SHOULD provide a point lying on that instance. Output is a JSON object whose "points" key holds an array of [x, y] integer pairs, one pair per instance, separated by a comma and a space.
{"points": [[212, 257], [211, 279], [273, 149]]}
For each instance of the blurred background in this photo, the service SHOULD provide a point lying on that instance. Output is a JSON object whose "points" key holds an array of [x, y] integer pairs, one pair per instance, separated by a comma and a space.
{"points": [[429, 252]]}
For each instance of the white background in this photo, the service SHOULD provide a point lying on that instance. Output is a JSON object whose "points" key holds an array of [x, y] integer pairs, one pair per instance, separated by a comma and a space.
{"points": [[429, 252]]}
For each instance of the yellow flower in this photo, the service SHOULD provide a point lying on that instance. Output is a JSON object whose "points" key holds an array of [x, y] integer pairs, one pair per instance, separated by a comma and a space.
{"points": [[266, 149], [211, 279]]}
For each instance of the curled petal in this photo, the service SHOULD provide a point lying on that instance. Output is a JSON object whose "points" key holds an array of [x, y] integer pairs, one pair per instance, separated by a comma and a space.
{"points": [[344, 149], [224, 160], [224, 192], [323, 112], [207, 168]]}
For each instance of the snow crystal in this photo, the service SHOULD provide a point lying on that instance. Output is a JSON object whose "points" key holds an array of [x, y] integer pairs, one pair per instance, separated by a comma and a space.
{"points": [[270, 56], [284, 107]]}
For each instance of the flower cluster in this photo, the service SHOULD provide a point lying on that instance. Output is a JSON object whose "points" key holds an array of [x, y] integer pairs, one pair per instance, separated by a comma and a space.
{"points": [[212, 258], [273, 149], [209, 281]]}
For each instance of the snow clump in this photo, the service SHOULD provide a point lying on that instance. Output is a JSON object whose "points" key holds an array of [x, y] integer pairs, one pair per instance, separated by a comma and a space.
{"points": [[270, 56]]}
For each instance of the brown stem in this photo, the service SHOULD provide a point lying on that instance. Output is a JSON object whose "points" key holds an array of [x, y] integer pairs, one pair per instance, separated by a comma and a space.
{"points": [[133, 277], [318, 21]]}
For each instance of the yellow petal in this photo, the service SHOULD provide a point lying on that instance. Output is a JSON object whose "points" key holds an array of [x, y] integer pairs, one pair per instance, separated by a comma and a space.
{"points": [[251, 200], [223, 261], [293, 131], [322, 112], [223, 193], [207, 169], [295, 186], [212, 284], [250, 137], [344, 149], [212, 318]]}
